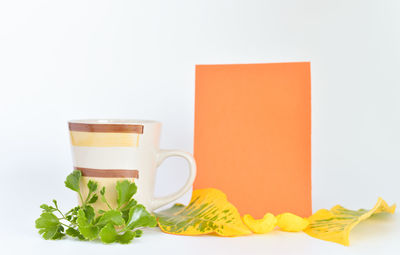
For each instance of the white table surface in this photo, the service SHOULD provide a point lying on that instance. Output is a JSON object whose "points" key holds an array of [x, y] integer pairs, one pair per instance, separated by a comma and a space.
{"points": [[23, 192], [373, 237], [378, 235]]}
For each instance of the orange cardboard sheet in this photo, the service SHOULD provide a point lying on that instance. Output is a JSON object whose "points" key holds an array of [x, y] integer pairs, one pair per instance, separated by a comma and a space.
{"points": [[253, 135]]}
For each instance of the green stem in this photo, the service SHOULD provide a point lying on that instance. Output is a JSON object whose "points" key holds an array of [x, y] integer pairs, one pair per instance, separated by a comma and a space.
{"points": [[70, 211], [108, 205], [80, 195], [122, 230], [70, 223], [64, 218], [61, 213], [105, 201], [87, 198], [65, 225]]}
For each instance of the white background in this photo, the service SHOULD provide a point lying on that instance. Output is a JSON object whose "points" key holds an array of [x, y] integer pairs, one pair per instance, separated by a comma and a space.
{"points": [[62, 60]]}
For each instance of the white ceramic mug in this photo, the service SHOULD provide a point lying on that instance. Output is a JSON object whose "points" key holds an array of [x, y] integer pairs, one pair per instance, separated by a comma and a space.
{"points": [[110, 150]]}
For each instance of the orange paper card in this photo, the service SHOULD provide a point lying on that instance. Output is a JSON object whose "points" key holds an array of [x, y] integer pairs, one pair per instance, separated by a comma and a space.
{"points": [[253, 135]]}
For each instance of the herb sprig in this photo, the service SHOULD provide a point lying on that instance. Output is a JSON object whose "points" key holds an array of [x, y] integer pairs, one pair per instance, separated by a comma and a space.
{"points": [[120, 224]]}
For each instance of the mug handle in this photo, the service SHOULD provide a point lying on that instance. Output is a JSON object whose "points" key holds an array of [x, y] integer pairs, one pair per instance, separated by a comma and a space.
{"points": [[157, 202]]}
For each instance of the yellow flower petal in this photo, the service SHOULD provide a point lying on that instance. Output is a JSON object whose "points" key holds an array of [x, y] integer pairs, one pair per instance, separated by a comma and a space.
{"points": [[335, 225], [261, 226], [291, 223], [209, 211]]}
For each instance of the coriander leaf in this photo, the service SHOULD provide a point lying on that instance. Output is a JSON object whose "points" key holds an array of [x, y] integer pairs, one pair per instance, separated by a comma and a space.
{"points": [[126, 237], [72, 215], [74, 233], [89, 232], [48, 225], [55, 203], [130, 204], [125, 215], [103, 198], [92, 185], [87, 229], [93, 199], [138, 233], [74, 210], [59, 234], [73, 220], [108, 234], [48, 208], [112, 216], [96, 220], [139, 217], [82, 220], [125, 209], [72, 181], [125, 190], [89, 213], [101, 211]]}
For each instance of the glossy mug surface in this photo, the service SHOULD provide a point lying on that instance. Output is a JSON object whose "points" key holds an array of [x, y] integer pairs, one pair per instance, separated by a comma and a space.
{"points": [[110, 150]]}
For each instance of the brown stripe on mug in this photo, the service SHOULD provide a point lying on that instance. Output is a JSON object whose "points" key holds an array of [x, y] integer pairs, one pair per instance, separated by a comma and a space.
{"points": [[108, 173], [106, 128]]}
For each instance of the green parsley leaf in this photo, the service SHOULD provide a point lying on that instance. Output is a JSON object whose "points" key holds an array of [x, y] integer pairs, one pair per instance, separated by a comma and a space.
{"points": [[88, 230], [93, 199], [108, 234], [55, 203], [139, 217], [112, 216], [130, 204], [89, 213], [72, 181], [125, 215], [126, 237], [125, 190], [125, 209], [74, 233], [92, 185], [138, 233], [103, 198], [48, 208], [82, 223], [103, 191], [73, 211], [59, 234], [48, 225]]}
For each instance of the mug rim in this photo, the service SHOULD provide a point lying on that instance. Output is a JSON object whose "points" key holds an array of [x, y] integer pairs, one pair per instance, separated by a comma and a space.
{"points": [[113, 121]]}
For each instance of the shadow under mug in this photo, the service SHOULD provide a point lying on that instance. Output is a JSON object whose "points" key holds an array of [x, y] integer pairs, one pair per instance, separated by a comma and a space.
{"points": [[111, 150]]}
